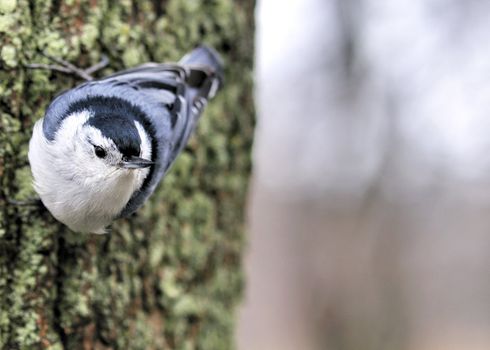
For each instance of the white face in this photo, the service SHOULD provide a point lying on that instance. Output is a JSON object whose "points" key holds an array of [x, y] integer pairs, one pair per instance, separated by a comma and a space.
{"points": [[91, 147], [94, 155]]}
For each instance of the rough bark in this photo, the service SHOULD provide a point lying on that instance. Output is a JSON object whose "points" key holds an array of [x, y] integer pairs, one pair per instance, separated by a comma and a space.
{"points": [[169, 277]]}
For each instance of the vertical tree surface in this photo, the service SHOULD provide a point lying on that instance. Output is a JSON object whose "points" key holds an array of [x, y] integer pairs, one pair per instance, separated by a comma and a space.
{"points": [[170, 276]]}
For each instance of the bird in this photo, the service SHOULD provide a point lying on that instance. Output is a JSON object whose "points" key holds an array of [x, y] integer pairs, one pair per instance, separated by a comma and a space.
{"points": [[102, 147]]}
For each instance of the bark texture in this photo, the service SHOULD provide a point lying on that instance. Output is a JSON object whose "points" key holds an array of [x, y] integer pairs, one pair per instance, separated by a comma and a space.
{"points": [[169, 277]]}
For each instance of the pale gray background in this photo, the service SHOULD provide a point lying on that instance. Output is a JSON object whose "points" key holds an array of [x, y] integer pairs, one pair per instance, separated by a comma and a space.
{"points": [[369, 214]]}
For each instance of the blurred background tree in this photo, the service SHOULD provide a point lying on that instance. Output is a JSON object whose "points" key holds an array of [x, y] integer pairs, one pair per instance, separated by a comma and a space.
{"points": [[370, 208], [169, 277]]}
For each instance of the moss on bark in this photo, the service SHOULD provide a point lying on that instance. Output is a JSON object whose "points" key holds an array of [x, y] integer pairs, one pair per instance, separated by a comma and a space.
{"points": [[170, 276]]}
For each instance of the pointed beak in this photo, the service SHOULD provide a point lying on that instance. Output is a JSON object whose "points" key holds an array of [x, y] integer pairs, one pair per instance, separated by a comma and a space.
{"points": [[136, 163]]}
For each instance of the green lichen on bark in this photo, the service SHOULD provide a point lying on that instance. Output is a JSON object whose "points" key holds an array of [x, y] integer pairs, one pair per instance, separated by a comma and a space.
{"points": [[170, 276]]}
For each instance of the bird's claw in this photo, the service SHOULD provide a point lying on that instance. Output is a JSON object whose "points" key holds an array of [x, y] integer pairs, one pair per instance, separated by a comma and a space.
{"points": [[69, 68], [24, 203]]}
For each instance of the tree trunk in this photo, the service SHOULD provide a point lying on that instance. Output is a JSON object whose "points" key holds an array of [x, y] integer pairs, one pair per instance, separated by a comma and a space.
{"points": [[170, 276]]}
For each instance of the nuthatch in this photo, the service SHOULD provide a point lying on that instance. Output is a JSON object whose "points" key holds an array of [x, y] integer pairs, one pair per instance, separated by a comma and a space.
{"points": [[102, 147]]}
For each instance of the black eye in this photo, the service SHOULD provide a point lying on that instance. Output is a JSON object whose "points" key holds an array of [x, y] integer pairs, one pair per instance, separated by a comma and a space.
{"points": [[100, 152]]}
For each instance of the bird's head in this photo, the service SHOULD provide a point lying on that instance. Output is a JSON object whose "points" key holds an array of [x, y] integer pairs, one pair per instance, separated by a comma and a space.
{"points": [[116, 142], [104, 146]]}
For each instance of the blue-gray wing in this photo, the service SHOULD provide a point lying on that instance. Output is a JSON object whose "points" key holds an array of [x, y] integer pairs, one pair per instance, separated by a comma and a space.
{"points": [[179, 93]]}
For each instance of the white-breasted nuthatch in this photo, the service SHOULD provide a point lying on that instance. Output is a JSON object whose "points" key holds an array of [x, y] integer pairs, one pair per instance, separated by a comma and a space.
{"points": [[103, 147]]}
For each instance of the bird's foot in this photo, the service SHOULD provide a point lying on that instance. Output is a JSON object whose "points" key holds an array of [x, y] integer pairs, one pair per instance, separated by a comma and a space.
{"points": [[30, 202], [69, 68]]}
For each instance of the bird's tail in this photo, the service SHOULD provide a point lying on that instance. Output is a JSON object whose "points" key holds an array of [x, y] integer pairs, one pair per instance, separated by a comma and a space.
{"points": [[206, 71]]}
